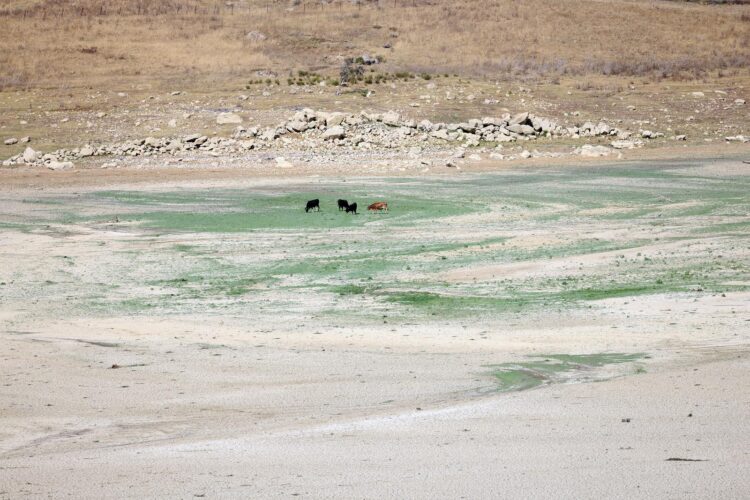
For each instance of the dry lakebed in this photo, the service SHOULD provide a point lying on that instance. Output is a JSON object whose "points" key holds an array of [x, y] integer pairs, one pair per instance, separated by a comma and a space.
{"points": [[577, 331]]}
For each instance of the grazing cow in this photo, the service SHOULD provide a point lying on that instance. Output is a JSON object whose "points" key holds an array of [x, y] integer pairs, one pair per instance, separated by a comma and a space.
{"points": [[351, 208], [380, 206], [343, 204], [313, 204]]}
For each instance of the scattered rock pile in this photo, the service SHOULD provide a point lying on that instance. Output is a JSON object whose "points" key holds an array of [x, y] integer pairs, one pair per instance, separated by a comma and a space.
{"points": [[390, 129], [315, 130]]}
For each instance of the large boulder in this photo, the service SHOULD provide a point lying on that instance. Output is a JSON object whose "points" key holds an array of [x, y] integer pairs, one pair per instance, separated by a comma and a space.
{"points": [[542, 124], [440, 134], [466, 127], [268, 134], [472, 139], [60, 165], [228, 119], [521, 129], [494, 121], [297, 126], [30, 156], [391, 118], [425, 125], [737, 138], [504, 138], [334, 133], [601, 129], [334, 119], [519, 119]]}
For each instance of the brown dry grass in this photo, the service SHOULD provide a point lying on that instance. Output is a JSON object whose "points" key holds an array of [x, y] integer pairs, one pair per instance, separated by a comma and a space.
{"points": [[91, 42]]}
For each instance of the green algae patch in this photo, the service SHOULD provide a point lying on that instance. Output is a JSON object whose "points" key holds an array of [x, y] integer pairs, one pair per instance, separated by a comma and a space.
{"points": [[590, 294], [595, 360], [350, 290], [519, 379], [457, 305], [233, 211], [14, 226], [197, 286], [562, 368], [255, 252]]}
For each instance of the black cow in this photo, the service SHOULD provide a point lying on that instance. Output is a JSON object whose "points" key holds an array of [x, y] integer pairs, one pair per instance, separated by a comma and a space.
{"points": [[351, 208], [313, 204], [343, 205]]}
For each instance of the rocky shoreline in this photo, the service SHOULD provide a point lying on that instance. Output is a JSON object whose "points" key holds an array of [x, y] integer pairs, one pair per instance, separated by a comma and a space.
{"points": [[320, 131], [311, 130]]}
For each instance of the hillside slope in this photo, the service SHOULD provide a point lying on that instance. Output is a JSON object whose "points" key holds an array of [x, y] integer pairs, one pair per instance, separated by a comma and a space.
{"points": [[54, 42]]}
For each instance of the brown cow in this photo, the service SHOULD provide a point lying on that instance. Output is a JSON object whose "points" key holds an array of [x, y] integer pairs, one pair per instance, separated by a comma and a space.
{"points": [[379, 205]]}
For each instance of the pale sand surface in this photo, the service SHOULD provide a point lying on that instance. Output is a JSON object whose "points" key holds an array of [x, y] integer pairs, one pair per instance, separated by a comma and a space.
{"points": [[285, 402]]}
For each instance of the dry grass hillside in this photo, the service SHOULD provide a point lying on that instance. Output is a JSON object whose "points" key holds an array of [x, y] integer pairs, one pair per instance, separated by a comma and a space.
{"points": [[54, 43]]}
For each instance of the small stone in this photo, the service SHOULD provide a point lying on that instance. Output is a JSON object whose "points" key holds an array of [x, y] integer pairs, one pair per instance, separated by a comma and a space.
{"points": [[228, 119], [172, 123], [11, 141], [255, 36], [739, 101], [282, 162], [25, 140], [593, 151], [623, 144], [101, 114]]}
